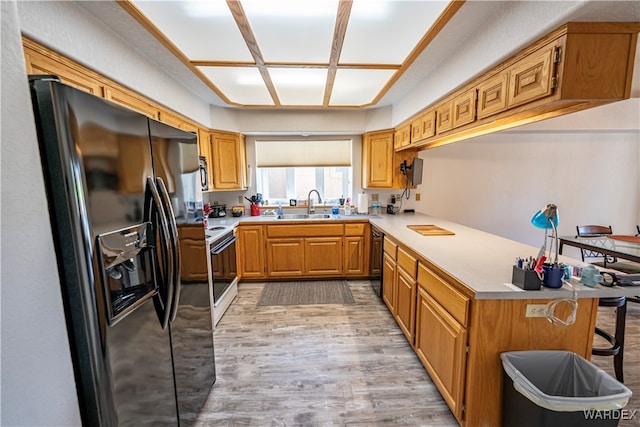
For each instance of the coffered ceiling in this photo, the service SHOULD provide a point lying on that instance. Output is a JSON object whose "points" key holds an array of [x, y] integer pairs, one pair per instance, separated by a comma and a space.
{"points": [[295, 53]]}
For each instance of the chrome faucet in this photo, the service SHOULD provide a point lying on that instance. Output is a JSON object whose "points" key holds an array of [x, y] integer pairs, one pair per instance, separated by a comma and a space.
{"points": [[310, 208]]}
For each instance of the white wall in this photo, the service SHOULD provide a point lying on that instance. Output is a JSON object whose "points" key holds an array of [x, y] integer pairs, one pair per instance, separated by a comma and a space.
{"points": [[37, 377], [497, 182]]}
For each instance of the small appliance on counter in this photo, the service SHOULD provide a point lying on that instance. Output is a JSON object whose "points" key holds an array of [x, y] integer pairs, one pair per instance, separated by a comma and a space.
{"points": [[218, 210]]}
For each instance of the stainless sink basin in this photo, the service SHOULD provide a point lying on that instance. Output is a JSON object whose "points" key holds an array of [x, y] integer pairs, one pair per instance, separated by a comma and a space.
{"points": [[303, 216]]}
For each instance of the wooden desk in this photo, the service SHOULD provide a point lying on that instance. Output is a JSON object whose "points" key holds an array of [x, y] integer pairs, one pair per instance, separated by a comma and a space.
{"points": [[603, 244]]}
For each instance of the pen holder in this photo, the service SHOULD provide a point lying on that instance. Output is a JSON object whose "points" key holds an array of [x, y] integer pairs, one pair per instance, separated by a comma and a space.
{"points": [[525, 279]]}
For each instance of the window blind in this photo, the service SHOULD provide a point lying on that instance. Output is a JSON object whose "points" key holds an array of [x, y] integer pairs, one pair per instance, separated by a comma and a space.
{"points": [[297, 153]]}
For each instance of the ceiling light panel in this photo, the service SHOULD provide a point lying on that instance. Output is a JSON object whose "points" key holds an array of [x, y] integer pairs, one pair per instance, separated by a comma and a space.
{"points": [[386, 31], [299, 86], [202, 30], [298, 31], [357, 86], [242, 85]]}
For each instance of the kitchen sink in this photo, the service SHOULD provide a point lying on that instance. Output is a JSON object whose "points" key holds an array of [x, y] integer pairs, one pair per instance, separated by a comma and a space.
{"points": [[303, 216]]}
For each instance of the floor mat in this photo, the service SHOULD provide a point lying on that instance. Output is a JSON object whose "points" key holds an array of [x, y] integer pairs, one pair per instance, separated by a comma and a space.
{"points": [[302, 293]]}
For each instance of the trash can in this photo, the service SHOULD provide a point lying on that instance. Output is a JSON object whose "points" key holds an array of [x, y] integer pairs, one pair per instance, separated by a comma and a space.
{"points": [[543, 388]]}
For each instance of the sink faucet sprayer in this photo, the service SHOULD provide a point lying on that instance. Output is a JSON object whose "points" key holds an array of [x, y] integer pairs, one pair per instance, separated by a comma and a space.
{"points": [[310, 208]]}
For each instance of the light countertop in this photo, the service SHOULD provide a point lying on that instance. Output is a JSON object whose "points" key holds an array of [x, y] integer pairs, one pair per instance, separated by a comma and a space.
{"points": [[481, 260]]}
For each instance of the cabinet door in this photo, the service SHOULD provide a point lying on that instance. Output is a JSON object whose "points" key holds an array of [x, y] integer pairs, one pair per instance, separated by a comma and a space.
{"points": [[531, 77], [172, 120], [377, 160], [405, 304], [355, 256], [416, 130], [441, 347], [389, 281], [492, 95], [227, 170], [428, 124], [323, 256], [131, 101], [443, 117], [285, 257], [464, 109], [250, 252]]}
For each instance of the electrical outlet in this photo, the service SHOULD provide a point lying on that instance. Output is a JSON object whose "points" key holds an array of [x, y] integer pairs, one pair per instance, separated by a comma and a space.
{"points": [[240, 199], [536, 310], [417, 197]]}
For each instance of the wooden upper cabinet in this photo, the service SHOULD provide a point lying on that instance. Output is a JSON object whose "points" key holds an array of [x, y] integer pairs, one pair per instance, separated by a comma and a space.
{"points": [[464, 108], [532, 77], [226, 152], [402, 137], [578, 66], [492, 95], [377, 159], [131, 101]]}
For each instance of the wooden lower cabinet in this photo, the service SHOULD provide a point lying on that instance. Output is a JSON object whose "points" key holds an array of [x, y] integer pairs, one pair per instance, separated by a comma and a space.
{"points": [[459, 339], [285, 257], [193, 254], [250, 252], [441, 345]]}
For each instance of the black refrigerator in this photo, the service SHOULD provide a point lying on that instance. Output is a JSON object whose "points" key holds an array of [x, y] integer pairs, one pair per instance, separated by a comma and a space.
{"points": [[119, 186]]}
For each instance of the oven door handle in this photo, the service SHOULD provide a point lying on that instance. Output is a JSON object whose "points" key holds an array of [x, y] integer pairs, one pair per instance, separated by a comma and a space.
{"points": [[217, 250]]}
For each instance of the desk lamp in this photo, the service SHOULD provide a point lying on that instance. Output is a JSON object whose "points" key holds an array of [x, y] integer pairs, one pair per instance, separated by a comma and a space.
{"points": [[548, 218]]}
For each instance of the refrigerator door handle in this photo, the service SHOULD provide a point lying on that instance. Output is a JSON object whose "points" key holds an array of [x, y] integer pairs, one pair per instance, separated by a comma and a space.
{"points": [[164, 299], [175, 253]]}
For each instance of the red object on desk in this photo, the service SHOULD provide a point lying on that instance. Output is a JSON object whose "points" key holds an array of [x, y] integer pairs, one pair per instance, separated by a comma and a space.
{"points": [[255, 210]]}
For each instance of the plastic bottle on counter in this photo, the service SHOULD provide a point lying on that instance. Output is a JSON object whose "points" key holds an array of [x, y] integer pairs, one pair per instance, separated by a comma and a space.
{"points": [[347, 207], [376, 208]]}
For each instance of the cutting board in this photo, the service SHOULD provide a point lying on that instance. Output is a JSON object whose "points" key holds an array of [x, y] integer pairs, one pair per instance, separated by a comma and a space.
{"points": [[430, 230]]}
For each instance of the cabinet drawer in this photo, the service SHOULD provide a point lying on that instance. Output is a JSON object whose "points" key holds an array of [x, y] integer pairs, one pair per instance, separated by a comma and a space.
{"points": [[354, 229], [305, 230], [391, 248], [407, 263], [454, 302]]}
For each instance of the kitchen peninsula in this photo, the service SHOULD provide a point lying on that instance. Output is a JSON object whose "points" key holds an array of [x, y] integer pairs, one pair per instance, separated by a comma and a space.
{"points": [[452, 297]]}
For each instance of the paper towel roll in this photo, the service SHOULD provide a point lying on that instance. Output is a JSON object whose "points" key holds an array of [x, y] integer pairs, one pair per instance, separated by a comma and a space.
{"points": [[363, 203]]}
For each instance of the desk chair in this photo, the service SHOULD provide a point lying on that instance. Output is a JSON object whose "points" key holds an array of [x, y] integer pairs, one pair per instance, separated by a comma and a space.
{"points": [[616, 340]]}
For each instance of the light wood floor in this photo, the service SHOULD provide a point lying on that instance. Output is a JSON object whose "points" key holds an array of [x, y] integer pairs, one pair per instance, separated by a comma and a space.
{"points": [[319, 365]]}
